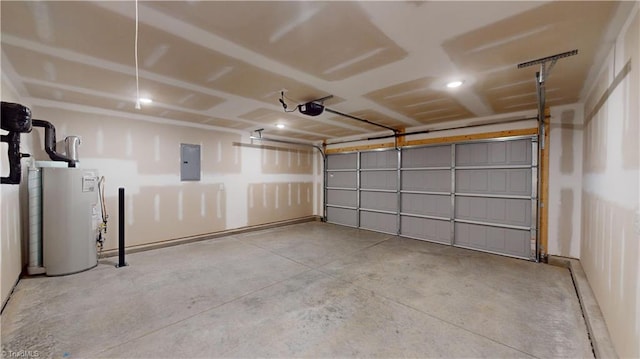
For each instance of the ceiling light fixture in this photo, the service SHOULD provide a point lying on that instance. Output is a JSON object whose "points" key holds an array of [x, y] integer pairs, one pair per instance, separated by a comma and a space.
{"points": [[145, 100], [280, 126], [454, 84]]}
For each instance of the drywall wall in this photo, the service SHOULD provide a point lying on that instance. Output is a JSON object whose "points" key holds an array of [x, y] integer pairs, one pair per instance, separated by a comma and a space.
{"points": [[242, 184], [565, 180], [610, 188], [13, 225]]}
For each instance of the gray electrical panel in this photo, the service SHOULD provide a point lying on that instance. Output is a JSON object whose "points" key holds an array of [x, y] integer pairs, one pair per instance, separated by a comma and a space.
{"points": [[189, 162]]}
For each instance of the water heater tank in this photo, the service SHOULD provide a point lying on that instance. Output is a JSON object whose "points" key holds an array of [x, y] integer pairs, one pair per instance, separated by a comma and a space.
{"points": [[70, 214]]}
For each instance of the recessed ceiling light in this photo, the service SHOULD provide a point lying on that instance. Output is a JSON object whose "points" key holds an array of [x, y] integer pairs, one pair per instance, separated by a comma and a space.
{"points": [[454, 84], [280, 125], [145, 100]]}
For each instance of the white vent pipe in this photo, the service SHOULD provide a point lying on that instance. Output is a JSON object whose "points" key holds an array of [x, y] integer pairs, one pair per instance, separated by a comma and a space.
{"points": [[71, 144]]}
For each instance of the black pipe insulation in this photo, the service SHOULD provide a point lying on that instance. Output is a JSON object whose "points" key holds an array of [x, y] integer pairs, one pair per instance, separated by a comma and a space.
{"points": [[16, 119], [50, 142], [13, 152]]}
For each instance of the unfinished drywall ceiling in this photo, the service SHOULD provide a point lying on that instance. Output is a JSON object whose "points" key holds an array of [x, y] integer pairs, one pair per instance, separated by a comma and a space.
{"points": [[295, 32], [491, 51], [225, 64], [422, 99]]}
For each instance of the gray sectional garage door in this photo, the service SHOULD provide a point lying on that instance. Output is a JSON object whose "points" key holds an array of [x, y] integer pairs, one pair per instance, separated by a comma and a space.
{"points": [[479, 195], [342, 189]]}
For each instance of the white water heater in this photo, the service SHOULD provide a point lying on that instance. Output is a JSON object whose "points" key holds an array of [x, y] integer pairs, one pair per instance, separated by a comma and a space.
{"points": [[70, 214]]}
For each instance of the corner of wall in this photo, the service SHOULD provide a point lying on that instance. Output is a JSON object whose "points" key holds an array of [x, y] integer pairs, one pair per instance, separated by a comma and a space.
{"points": [[13, 212], [565, 180], [610, 245]]}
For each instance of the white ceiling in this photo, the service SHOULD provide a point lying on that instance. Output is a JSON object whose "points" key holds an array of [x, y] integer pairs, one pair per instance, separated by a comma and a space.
{"points": [[224, 63]]}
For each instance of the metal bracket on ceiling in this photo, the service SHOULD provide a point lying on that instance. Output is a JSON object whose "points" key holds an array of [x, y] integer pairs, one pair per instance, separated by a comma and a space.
{"points": [[541, 77], [296, 143]]}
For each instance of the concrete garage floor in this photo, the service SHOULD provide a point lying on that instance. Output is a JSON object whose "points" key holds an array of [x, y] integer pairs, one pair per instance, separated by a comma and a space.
{"points": [[305, 290]]}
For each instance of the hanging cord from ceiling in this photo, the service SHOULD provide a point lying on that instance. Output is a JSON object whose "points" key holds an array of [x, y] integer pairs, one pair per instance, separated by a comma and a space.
{"points": [[135, 46], [284, 104]]}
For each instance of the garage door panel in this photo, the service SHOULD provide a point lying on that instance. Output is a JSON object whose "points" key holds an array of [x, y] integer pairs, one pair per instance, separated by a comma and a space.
{"points": [[429, 181], [379, 222], [472, 181], [519, 152], [379, 159], [492, 206], [342, 198], [342, 179], [472, 154], [516, 182], [424, 228], [342, 161], [499, 240], [379, 200], [436, 156], [515, 212], [346, 217], [426, 204], [516, 152], [386, 180]]}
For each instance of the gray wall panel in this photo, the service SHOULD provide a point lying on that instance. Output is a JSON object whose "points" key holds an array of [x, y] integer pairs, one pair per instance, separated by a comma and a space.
{"points": [[342, 198], [426, 204], [378, 222], [501, 240], [495, 210], [379, 200], [342, 161], [435, 181], [342, 179], [517, 152], [429, 229], [379, 159], [502, 181], [436, 156], [347, 217], [379, 180]]}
